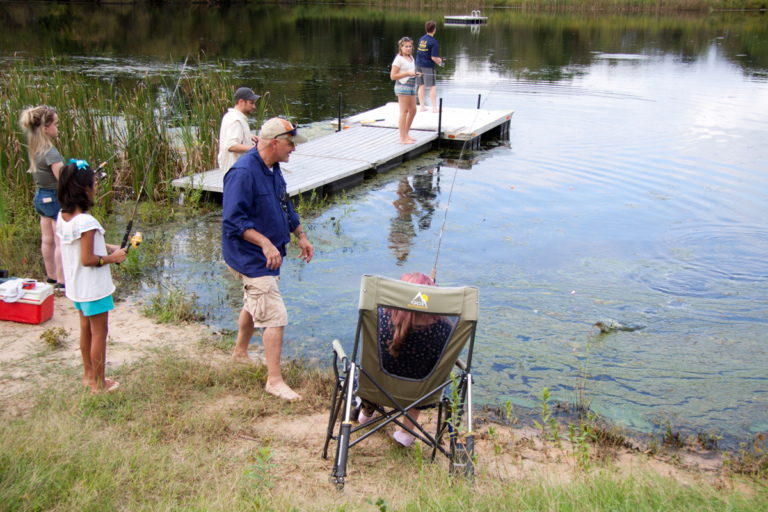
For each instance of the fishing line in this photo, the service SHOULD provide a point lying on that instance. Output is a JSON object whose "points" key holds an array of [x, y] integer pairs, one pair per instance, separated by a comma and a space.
{"points": [[149, 162], [453, 181]]}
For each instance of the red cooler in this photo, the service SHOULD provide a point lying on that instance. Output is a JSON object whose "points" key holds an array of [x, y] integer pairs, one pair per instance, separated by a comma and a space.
{"points": [[35, 307]]}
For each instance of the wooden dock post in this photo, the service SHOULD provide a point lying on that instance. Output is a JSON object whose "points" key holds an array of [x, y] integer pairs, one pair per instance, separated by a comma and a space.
{"points": [[439, 122]]}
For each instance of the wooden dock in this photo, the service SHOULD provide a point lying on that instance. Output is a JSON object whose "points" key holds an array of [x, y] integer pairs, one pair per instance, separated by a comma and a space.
{"points": [[369, 143], [473, 19]]}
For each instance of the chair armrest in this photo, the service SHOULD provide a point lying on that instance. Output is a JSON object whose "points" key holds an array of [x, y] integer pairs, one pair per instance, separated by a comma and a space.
{"points": [[339, 351], [461, 364]]}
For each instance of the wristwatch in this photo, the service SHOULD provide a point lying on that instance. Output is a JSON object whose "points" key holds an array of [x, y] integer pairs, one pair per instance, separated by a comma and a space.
{"points": [[101, 261]]}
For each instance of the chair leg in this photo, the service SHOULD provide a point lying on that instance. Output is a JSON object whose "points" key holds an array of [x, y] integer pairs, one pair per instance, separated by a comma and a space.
{"points": [[334, 415], [339, 472], [337, 401]]}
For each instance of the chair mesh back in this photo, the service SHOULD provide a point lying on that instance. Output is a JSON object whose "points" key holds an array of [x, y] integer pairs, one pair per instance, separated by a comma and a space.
{"points": [[376, 292]]}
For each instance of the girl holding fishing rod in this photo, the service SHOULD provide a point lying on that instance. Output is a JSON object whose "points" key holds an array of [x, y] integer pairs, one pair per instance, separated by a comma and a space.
{"points": [[85, 257], [41, 125], [404, 73]]}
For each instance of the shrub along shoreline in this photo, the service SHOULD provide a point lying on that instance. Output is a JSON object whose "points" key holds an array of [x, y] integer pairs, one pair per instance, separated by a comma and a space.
{"points": [[147, 128], [528, 5]]}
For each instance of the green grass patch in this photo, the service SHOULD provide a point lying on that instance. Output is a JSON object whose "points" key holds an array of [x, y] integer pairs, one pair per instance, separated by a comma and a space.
{"points": [[173, 305], [188, 433]]}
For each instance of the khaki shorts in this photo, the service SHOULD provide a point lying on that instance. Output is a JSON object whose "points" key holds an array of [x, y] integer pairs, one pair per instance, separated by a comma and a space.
{"points": [[262, 299]]}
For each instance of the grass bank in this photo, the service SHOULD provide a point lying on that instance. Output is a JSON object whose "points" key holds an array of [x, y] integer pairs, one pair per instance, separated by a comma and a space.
{"points": [[193, 432]]}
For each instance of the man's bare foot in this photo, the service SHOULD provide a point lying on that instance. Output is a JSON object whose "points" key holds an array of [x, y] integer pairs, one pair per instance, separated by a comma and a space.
{"points": [[283, 391], [109, 387], [412, 140], [242, 358], [435, 111], [423, 109], [407, 141]]}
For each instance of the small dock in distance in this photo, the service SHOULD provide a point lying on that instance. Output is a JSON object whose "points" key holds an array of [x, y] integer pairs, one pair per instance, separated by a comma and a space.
{"points": [[475, 18], [369, 143]]}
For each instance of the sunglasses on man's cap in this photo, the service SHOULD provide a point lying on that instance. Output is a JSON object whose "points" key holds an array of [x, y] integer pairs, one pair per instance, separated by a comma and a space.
{"points": [[292, 133]]}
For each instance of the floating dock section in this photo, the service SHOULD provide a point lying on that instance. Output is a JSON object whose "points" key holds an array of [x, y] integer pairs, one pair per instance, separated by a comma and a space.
{"points": [[369, 143], [473, 19]]}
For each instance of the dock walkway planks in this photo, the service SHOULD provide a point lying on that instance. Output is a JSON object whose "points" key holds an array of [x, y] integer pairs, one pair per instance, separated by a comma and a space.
{"points": [[342, 159], [461, 124]]}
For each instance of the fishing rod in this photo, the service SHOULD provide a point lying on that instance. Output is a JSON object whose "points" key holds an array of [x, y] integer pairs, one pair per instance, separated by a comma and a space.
{"points": [[453, 181], [146, 170]]}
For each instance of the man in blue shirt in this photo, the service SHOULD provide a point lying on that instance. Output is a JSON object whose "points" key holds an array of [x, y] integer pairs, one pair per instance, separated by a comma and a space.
{"points": [[426, 58], [256, 225]]}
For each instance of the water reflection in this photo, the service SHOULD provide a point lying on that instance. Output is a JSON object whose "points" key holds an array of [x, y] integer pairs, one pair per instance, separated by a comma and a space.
{"points": [[325, 49], [415, 205]]}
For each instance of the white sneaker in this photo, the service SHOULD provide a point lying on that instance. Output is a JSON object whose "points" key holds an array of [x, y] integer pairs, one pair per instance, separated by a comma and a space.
{"points": [[404, 438], [363, 419]]}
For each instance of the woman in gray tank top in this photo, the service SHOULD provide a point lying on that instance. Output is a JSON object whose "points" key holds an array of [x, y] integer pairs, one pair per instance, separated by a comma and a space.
{"points": [[41, 124]]}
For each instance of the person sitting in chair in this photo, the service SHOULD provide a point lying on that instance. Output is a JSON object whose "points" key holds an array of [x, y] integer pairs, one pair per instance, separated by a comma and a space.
{"points": [[410, 346]]}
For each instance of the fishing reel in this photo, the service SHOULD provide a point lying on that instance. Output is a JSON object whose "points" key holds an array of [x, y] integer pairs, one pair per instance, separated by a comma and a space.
{"points": [[136, 240]]}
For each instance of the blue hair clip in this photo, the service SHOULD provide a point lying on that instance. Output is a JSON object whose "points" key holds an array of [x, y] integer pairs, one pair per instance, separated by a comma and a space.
{"points": [[81, 164]]}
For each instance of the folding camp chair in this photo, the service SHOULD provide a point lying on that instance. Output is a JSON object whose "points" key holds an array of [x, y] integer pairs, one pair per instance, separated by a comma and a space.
{"points": [[366, 378]]}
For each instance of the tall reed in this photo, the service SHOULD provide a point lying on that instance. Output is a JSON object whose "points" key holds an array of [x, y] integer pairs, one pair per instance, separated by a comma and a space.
{"points": [[139, 129]]}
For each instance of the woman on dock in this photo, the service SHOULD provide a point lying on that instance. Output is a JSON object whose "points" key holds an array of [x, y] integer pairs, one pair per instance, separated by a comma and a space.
{"points": [[404, 74], [41, 125]]}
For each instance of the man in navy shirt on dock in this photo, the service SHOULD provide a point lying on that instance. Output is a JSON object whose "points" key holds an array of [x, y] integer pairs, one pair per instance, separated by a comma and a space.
{"points": [[426, 58], [256, 225]]}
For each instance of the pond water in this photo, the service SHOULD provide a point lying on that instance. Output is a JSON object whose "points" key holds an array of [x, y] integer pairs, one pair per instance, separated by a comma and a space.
{"points": [[633, 189]]}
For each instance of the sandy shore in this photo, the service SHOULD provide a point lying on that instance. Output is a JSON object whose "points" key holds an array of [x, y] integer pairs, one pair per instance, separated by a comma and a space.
{"points": [[26, 359]]}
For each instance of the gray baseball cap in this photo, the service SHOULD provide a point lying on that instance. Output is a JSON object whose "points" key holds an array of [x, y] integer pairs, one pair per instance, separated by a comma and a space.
{"points": [[245, 93]]}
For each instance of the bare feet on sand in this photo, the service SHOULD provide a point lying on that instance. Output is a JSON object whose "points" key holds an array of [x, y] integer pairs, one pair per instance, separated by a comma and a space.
{"points": [[283, 391], [109, 387], [238, 358]]}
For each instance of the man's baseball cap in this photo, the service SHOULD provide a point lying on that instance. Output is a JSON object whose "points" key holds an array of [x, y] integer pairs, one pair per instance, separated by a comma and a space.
{"points": [[245, 93], [278, 128]]}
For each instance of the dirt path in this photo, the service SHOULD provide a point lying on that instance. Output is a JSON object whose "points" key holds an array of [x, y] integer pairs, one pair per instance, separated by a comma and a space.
{"points": [[26, 359]]}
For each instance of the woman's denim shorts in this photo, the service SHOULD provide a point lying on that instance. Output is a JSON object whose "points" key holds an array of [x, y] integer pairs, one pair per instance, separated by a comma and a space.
{"points": [[46, 203]]}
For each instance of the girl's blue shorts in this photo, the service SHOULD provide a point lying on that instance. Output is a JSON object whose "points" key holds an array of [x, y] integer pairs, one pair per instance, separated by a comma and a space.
{"points": [[95, 307]]}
